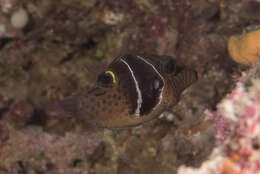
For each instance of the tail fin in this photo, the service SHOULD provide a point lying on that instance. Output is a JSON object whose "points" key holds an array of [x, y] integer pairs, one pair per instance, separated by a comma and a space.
{"points": [[184, 79]]}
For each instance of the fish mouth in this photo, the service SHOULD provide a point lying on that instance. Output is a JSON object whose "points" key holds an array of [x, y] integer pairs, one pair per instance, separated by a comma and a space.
{"points": [[96, 91], [69, 104]]}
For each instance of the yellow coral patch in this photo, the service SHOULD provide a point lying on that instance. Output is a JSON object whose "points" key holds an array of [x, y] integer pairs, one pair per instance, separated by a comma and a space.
{"points": [[245, 49]]}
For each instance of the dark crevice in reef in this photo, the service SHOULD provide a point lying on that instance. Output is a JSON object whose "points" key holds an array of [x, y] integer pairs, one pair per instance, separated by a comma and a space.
{"points": [[21, 167], [89, 44], [4, 41], [28, 66], [68, 58], [39, 117]]}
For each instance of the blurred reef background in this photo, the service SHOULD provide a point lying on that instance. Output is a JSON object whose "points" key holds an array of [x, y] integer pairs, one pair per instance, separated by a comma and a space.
{"points": [[52, 49]]}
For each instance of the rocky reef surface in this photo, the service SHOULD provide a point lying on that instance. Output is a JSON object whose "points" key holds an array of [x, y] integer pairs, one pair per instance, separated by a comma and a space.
{"points": [[52, 49]]}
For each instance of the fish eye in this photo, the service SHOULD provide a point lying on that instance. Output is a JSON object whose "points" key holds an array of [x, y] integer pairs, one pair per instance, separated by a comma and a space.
{"points": [[106, 79]]}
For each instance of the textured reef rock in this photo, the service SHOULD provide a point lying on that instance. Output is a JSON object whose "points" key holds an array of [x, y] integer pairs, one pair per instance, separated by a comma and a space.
{"points": [[33, 150], [57, 48], [238, 130]]}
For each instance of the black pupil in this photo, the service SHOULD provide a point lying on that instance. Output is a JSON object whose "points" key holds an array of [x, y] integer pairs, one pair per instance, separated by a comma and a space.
{"points": [[104, 79]]}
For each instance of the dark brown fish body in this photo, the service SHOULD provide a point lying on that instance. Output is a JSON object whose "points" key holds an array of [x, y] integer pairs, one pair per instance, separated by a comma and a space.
{"points": [[133, 90]]}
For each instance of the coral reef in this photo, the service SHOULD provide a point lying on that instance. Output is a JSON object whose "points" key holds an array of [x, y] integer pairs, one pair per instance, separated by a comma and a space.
{"points": [[239, 113], [57, 48], [37, 151]]}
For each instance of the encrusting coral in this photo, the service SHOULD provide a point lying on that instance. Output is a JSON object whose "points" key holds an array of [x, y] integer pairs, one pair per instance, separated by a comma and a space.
{"points": [[239, 113], [245, 49]]}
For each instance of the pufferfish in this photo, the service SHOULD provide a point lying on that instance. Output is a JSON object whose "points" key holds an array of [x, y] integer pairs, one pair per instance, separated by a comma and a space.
{"points": [[132, 90]]}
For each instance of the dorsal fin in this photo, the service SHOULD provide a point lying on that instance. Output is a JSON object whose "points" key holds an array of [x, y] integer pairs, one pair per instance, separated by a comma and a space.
{"points": [[183, 80]]}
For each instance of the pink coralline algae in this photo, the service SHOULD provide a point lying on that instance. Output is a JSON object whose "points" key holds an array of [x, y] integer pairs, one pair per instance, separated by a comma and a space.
{"points": [[48, 153], [237, 121], [221, 124], [20, 113]]}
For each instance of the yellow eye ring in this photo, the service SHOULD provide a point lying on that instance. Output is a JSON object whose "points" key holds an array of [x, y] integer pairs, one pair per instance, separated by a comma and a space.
{"points": [[113, 76]]}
